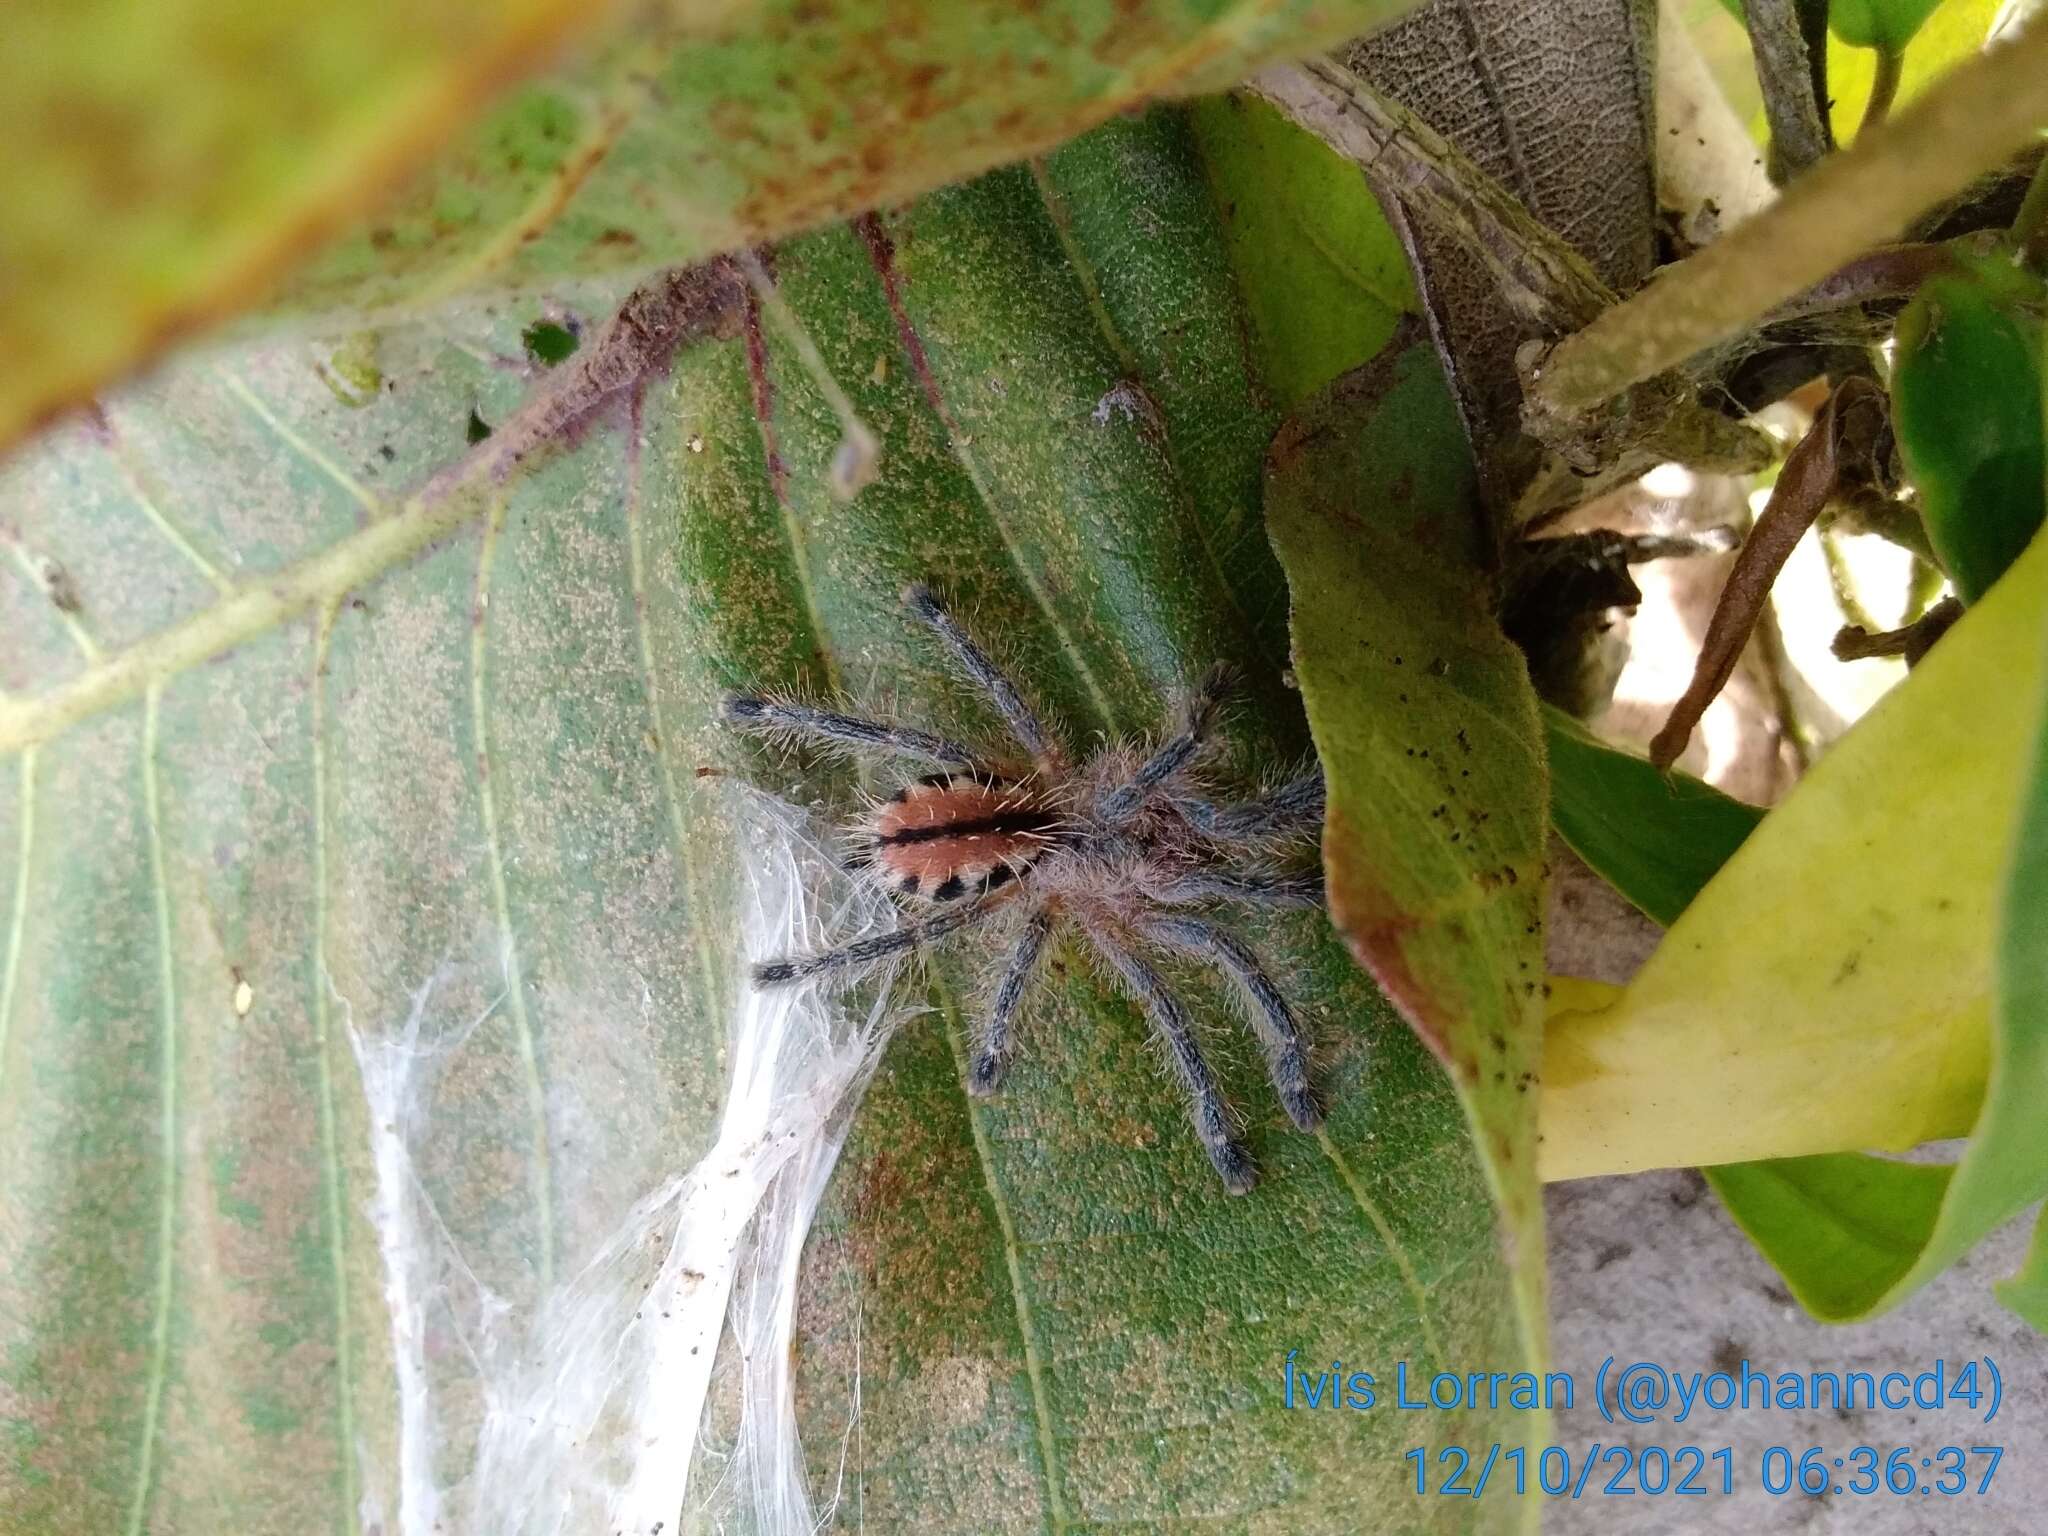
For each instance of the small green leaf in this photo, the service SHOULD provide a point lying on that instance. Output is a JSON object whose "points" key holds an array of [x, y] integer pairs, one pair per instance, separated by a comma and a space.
{"points": [[1655, 837], [1428, 732], [1886, 24], [1967, 398], [1953, 31], [1843, 1228], [548, 342]]}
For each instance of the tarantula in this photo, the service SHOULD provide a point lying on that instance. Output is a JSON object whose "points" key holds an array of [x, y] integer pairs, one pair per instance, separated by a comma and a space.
{"points": [[1125, 846]]}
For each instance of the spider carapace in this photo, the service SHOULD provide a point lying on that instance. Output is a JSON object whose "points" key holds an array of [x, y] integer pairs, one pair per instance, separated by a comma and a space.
{"points": [[1127, 847]]}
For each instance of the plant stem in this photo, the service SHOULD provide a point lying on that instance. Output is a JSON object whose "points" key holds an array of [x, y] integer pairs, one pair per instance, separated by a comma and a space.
{"points": [[1884, 87], [1972, 121], [1857, 642], [1784, 71]]}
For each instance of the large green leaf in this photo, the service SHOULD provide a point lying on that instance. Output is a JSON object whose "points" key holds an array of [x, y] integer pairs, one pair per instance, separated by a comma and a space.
{"points": [[169, 162], [1428, 731], [459, 743]]}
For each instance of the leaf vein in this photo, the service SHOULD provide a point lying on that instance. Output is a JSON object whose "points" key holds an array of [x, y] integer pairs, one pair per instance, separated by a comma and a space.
{"points": [[877, 243], [1091, 287], [696, 913], [364, 497], [1034, 1366], [160, 1325], [332, 1176], [508, 947], [17, 923], [1395, 1249], [136, 474]]}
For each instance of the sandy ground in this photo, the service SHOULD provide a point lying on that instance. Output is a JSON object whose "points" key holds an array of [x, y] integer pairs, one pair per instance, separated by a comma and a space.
{"points": [[1650, 1267]]}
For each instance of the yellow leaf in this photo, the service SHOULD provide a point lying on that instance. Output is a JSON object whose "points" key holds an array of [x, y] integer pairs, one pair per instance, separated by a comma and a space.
{"points": [[1830, 988]]}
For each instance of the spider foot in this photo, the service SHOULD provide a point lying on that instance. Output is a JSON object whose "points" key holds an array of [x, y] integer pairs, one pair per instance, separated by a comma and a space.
{"points": [[1234, 1166], [1302, 1108], [985, 1076]]}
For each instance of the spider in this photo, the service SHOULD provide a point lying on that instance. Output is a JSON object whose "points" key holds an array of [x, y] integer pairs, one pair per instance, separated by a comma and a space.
{"points": [[1125, 846]]}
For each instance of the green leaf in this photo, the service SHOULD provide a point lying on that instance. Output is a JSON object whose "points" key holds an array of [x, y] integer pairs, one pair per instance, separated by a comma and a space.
{"points": [[548, 343], [1950, 31], [1428, 733], [1966, 399], [1323, 274], [1655, 837], [2027, 1292], [1844, 1229], [172, 162], [460, 736], [1855, 1235], [1852, 939], [1887, 24]]}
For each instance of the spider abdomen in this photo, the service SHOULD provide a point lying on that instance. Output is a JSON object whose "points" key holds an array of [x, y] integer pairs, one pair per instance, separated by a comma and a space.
{"points": [[955, 835]]}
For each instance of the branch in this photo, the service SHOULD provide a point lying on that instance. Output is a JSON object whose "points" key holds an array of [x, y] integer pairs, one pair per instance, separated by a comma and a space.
{"points": [[1855, 643], [1784, 71], [1889, 272], [1970, 122]]}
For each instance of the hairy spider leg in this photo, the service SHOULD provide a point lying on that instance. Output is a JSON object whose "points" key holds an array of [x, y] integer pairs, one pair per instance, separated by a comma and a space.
{"points": [[986, 675], [1293, 809], [845, 963], [1304, 890], [1121, 804], [1206, 1106], [751, 712], [990, 1056], [1265, 1009]]}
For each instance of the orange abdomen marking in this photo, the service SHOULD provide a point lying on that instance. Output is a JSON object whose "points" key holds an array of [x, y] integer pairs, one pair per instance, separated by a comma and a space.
{"points": [[947, 836]]}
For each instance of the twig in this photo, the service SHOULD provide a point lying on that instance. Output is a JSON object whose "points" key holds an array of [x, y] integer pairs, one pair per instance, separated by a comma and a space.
{"points": [[1889, 272], [1838, 449], [1971, 121], [1544, 280], [1784, 70], [1843, 580], [1853, 642]]}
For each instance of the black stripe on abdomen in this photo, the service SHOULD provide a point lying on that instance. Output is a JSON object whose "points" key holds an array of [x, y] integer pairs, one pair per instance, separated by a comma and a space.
{"points": [[1006, 824]]}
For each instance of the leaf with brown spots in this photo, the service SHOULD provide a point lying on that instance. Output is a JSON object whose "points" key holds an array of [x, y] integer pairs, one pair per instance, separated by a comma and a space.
{"points": [[1430, 740]]}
